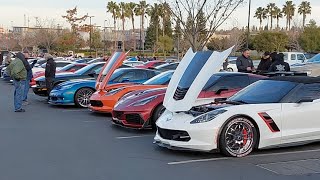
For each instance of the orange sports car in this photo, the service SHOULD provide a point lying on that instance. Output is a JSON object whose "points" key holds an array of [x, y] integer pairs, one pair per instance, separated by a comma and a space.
{"points": [[104, 101]]}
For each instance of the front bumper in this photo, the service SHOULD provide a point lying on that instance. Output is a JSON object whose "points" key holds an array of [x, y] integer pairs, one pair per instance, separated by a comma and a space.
{"points": [[40, 91], [202, 137], [101, 103], [132, 119], [60, 97]]}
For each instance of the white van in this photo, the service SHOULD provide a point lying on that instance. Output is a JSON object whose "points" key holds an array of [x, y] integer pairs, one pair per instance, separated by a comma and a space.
{"points": [[294, 57]]}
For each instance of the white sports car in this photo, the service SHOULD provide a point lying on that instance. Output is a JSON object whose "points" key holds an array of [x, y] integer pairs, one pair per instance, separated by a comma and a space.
{"points": [[275, 112]]}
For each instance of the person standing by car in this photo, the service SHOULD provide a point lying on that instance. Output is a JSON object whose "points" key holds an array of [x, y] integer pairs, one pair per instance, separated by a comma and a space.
{"points": [[279, 65], [18, 73], [225, 65], [265, 62], [244, 63], [1, 58], [50, 72], [23, 57]]}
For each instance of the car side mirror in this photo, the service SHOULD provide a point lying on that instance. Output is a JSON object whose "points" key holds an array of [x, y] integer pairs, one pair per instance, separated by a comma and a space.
{"points": [[92, 74], [305, 100], [219, 91]]}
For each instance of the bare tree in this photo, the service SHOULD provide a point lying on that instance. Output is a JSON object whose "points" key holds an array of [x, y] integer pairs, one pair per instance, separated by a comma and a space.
{"points": [[216, 12], [47, 34], [25, 40]]}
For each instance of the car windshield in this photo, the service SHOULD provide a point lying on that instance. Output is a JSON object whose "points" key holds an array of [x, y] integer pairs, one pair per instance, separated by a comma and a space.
{"points": [[67, 67], [264, 91], [117, 73], [314, 59], [160, 79], [85, 69], [213, 80]]}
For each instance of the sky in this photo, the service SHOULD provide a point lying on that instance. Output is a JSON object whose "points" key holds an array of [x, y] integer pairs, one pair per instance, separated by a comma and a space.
{"points": [[12, 12]]}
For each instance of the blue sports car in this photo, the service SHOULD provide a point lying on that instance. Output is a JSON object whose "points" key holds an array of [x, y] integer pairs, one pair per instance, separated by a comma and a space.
{"points": [[78, 92]]}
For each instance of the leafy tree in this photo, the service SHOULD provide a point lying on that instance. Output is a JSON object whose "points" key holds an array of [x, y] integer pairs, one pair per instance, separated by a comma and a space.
{"points": [[270, 41], [166, 19], [73, 20], [123, 14], [304, 9], [278, 14], [166, 44], [288, 11], [309, 37]]}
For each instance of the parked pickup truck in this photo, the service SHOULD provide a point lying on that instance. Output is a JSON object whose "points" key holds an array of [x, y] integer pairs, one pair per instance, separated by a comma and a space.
{"points": [[294, 57]]}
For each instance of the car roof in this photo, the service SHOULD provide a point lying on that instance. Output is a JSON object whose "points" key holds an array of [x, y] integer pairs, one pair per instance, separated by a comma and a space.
{"points": [[297, 79], [236, 74]]}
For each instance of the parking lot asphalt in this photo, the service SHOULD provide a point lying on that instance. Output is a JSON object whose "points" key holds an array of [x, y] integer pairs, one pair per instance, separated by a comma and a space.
{"points": [[66, 143]]}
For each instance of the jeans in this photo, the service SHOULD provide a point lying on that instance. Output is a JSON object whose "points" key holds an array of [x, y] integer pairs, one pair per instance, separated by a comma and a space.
{"points": [[27, 85], [18, 93]]}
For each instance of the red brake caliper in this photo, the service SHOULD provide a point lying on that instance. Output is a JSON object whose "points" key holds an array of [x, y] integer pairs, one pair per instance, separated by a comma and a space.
{"points": [[245, 136]]}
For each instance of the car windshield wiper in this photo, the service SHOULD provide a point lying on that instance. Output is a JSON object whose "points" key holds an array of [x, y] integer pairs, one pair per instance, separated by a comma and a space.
{"points": [[235, 102]]}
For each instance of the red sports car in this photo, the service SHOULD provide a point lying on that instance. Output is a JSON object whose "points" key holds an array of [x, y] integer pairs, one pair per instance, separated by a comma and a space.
{"points": [[68, 68], [151, 64], [141, 109]]}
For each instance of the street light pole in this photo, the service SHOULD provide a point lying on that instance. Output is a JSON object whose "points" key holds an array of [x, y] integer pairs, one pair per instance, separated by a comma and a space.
{"points": [[248, 28], [104, 37], [90, 33]]}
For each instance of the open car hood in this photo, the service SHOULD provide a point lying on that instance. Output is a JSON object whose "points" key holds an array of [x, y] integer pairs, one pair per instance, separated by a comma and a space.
{"points": [[193, 72], [113, 63]]}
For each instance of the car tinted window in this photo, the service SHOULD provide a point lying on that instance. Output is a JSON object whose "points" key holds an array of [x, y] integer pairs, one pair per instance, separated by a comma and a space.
{"points": [[160, 79], [140, 75], [285, 56], [231, 82], [300, 57], [293, 57], [253, 79], [265, 91], [306, 91], [61, 64], [315, 58]]}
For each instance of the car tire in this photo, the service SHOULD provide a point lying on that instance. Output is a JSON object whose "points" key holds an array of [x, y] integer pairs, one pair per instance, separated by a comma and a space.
{"points": [[156, 114], [238, 137], [230, 70], [82, 97]]}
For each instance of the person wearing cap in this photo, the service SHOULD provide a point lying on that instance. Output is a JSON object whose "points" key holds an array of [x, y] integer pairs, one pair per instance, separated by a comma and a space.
{"points": [[18, 73], [244, 63], [50, 72], [265, 62]]}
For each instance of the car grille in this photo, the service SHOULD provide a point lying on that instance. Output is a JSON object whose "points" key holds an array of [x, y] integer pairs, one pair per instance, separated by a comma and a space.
{"points": [[180, 93], [134, 119], [41, 83], [173, 134], [117, 114], [96, 103]]}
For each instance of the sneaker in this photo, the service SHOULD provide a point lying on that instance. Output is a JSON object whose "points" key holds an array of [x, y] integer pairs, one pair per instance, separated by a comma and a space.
{"points": [[24, 103], [20, 110]]}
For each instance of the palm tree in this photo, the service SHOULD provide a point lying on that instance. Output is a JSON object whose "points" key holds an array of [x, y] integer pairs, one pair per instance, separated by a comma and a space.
{"points": [[141, 11], [270, 10], [113, 8], [131, 12], [304, 9], [165, 14], [123, 14], [288, 11], [260, 15], [278, 14]]}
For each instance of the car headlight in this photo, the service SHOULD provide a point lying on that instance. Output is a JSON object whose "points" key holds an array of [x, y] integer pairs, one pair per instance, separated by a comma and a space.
{"points": [[113, 91], [144, 101], [208, 116], [65, 87]]}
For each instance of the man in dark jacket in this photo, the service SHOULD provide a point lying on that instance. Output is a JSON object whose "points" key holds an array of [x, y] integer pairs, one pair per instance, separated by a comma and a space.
{"points": [[265, 62], [50, 72], [279, 64], [244, 63], [23, 57]]}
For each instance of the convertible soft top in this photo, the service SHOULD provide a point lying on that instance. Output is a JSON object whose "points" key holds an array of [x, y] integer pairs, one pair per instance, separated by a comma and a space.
{"points": [[297, 79]]}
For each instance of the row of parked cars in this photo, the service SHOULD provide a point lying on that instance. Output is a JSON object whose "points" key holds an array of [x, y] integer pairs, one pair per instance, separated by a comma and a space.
{"points": [[193, 106]]}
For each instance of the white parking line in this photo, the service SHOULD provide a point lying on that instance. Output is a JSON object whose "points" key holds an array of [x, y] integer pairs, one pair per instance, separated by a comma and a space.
{"points": [[130, 137], [250, 156], [89, 121]]}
